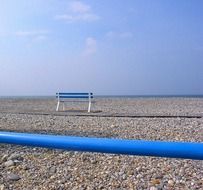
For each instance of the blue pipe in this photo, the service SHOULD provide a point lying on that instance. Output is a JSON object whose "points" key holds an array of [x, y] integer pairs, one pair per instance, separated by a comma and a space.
{"points": [[115, 146]]}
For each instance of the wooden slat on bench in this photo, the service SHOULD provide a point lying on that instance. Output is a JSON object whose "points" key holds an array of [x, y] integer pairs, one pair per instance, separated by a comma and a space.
{"points": [[63, 93], [74, 97]]}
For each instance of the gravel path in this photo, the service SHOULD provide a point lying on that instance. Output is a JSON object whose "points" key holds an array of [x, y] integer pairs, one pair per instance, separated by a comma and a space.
{"points": [[35, 168]]}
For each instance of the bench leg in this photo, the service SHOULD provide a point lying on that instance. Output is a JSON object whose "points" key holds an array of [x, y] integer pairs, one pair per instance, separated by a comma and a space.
{"points": [[57, 107], [89, 107]]}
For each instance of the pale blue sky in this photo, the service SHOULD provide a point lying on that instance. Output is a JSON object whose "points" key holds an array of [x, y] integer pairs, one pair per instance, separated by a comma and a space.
{"points": [[111, 47]]}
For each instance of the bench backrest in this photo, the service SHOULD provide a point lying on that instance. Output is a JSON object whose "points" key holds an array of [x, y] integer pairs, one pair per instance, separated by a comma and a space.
{"points": [[62, 95]]}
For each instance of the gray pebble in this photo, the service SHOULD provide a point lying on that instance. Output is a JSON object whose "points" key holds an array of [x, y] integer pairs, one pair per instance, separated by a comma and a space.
{"points": [[15, 156], [139, 176], [13, 177], [52, 170], [9, 163]]}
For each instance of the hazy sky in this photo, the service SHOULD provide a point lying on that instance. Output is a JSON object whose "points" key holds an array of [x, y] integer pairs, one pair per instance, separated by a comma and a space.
{"points": [[124, 47]]}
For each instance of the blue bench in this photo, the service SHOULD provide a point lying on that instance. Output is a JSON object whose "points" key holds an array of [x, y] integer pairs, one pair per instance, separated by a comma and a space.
{"points": [[66, 97]]}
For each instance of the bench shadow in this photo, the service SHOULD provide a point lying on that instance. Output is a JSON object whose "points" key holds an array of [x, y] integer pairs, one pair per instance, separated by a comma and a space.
{"points": [[78, 111]]}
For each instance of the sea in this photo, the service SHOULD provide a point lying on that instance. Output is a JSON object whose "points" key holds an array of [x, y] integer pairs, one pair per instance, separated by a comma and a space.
{"points": [[107, 96]]}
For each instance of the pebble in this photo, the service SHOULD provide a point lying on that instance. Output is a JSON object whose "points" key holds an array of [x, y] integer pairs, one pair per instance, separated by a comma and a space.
{"points": [[170, 182], [182, 172], [52, 170], [13, 177], [2, 187], [4, 158], [9, 163], [15, 156], [139, 176], [153, 188], [26, 167], [155, 181]]}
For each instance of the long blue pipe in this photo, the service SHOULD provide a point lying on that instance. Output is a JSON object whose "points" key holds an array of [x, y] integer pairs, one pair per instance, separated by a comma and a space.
{"points": [[115, 146]]}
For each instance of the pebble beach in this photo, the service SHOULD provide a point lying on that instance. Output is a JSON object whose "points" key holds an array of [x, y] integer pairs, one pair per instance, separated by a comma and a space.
{"points": [[164, 119]]}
